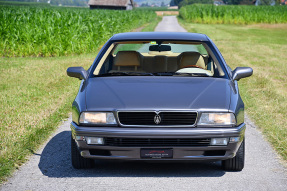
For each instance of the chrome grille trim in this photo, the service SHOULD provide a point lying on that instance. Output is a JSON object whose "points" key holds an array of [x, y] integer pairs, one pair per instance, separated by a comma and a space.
{"points": [[154, 112]]}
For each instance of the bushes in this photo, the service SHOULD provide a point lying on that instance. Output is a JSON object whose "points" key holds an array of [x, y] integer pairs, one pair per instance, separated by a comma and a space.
{"points": [[40, 31], [189, 2], [243, 14]]}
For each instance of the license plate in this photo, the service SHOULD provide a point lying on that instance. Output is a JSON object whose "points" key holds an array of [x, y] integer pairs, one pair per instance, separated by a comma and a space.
{"points": [[156, 153]]}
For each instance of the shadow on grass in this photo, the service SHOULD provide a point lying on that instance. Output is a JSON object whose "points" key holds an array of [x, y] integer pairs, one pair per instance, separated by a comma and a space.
{"points": [[55, 162]]}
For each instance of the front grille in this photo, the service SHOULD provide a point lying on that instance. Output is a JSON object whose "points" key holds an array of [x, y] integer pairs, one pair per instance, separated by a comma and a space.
{"points": [[166, 118], [155, 142]]}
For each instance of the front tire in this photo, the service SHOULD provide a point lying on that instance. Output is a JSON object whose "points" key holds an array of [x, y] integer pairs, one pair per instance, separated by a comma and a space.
{"points": [[236, 163], [78, 161]]}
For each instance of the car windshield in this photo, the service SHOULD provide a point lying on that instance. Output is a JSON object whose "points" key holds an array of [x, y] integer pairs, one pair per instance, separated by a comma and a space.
{"points": [[158, 59]]}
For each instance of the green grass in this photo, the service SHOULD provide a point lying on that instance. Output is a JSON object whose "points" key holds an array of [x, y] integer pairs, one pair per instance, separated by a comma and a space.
{"points": [[36, 95], [265, 93], [38, 31], [237, 14], [150, 27]]}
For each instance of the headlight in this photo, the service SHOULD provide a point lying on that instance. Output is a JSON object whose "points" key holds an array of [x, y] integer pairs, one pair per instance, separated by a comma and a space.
{"points": [[217, 119], [98, 118]]}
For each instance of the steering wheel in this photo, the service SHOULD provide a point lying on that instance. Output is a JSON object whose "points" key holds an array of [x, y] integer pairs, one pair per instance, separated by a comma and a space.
{"points": [[193, 66]]}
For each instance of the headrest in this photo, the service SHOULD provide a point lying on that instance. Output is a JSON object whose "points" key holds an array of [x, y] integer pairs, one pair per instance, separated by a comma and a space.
{"points": [[191, 58], [127, 58]]}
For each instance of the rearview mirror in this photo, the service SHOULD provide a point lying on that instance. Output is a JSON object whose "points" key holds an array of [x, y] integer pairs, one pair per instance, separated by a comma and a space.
{"points": [[241, 72], [77, 72], [160, 48]]}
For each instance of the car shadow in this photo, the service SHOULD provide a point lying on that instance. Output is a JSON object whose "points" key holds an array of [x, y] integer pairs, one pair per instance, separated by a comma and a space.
{"points": [[55, 162]]}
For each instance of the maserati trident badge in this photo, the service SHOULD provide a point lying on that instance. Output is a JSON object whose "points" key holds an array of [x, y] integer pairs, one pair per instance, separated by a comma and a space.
{"points": [[157, 119]]}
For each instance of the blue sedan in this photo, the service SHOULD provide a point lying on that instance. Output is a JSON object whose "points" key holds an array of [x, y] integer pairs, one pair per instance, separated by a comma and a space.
{"points": [[158, 96]]}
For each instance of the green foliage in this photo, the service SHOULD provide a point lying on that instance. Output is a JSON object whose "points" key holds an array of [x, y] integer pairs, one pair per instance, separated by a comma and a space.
{"points": [[234, 14], [152, 2], [243, 2], [181, 3], [176, 2], [189, 2], [232, 2], [40, 31]]}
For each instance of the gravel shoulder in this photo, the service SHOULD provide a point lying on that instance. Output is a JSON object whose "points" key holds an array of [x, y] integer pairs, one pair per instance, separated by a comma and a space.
{"points": [[50, 168]]}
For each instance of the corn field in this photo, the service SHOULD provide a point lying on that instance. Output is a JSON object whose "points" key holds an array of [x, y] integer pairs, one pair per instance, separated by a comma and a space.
{"points": [[40, 31], [238, 14]]}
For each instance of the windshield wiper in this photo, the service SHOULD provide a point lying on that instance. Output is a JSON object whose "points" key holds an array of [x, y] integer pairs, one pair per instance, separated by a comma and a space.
{"points": [[127, 74], [153, 74], [192, 74], [180, 74], [164, 73]]}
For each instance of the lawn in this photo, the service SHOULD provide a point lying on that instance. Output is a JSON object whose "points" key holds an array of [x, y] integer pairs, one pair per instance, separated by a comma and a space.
{"points": [[35, 96], [262, 47]]}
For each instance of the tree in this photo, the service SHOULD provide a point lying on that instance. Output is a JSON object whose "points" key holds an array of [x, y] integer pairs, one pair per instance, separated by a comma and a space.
{"points": [[177, 2], [189, 2], [232, 2], [145, 5], [172, 3]]}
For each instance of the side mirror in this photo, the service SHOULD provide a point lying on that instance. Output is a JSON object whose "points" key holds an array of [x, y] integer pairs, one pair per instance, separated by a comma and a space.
{"points": [[241, 72], [77, 72]]}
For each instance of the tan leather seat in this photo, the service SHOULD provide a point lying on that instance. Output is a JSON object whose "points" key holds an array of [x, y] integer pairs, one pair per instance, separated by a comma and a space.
{"points": [[191, 58], [127, 59]]}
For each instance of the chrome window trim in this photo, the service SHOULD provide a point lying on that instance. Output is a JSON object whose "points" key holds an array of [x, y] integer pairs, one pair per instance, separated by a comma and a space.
{"points": [[156, 112]]}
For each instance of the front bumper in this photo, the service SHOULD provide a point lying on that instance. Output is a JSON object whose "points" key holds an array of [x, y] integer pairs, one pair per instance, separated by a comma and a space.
{"points": [[179, 152]]}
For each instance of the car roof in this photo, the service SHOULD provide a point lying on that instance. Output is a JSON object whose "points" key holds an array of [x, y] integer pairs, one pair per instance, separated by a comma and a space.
{"points": [[154, 36]]}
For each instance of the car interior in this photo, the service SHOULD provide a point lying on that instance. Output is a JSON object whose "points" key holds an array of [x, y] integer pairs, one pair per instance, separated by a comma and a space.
{"points": [[159, 59]]}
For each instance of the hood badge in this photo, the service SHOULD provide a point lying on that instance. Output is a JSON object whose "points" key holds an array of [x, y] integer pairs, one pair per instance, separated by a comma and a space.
{"points": [[157, 119]]}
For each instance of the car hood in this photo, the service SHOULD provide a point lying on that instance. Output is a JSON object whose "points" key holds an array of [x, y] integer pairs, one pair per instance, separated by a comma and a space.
{"points": [[157, 93]]}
